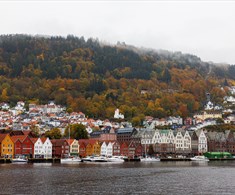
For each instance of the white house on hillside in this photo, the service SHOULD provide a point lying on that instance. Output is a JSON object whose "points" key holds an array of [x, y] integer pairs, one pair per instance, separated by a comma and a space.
{"points": [[118, 115]]}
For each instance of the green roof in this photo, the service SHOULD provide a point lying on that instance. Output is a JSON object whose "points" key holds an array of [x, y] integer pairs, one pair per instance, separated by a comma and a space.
{"points": [[219, 153], [164, 131]]}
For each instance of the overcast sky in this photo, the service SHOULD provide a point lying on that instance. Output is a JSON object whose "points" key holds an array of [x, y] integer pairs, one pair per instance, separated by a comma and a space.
{"points": [[203, 28]]}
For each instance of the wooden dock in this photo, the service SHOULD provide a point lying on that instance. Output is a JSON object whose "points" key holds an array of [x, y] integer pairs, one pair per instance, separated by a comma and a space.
{"points": [[5, 160], [33, 160]]}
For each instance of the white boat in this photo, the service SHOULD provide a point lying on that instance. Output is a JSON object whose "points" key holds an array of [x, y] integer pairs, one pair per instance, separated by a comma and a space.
{"points": [[150, 159], [94, 159], [199, 158], [99, 159], [86, 159], [115, 159], [19, 159], [70, 160]]}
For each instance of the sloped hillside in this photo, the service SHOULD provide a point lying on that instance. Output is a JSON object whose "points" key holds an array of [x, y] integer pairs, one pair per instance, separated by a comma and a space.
{"points": [[94, 78]]}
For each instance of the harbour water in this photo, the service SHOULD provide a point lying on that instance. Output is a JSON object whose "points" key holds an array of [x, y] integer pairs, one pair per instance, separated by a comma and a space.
{"points": [[217, 177]]}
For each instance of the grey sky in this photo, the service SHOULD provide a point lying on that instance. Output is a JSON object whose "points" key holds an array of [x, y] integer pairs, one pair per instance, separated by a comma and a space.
{"points": [[202, 28]]}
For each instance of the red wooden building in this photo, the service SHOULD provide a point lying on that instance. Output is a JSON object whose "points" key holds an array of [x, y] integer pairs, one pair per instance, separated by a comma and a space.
{"points": [[23, 145], [116, 149], [60, 148], [124, 150]]}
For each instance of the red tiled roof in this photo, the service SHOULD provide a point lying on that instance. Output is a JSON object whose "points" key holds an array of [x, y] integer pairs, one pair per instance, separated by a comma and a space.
{"points": [[2, 136], [43, 139], [34, 140], [26, 132], [70, 141], [19, 137], [87, 141]]}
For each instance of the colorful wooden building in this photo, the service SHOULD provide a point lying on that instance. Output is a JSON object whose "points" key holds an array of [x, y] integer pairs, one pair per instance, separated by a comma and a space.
{"points": [[6, 146], [23, 145]]}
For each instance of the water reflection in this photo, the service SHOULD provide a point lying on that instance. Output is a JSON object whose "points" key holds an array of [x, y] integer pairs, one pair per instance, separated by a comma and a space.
{"points": [[127, 178]]}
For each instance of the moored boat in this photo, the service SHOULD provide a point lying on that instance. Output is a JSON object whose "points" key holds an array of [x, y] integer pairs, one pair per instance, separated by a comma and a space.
{"points": [[70, 160], [94, 159], [115, 159], [99, 159], [199, 158], [150, 159], [19, 159]]}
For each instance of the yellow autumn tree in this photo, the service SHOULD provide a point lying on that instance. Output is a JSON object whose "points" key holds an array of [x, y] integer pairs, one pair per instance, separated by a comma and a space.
{"points": [[4, 96]]}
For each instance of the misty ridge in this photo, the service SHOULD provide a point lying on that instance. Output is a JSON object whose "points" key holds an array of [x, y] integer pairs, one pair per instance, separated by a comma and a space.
{"points": [[16, 42]]}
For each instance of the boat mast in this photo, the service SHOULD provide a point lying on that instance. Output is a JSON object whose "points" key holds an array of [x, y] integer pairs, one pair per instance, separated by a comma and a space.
{"points": [[69, 137]]}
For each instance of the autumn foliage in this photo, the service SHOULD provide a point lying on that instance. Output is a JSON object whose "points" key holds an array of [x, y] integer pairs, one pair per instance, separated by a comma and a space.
{"points": [[88, 76]]}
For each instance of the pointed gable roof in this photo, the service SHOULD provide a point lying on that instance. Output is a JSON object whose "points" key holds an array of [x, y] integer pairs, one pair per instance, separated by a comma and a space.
{"points": [[211, 135], [2, 137], [43, 139], [34, 140], [19, 137], [70, 141], [58, 142]]}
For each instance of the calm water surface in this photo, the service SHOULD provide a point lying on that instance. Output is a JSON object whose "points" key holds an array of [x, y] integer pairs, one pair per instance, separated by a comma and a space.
{"points": [[126, 178]]}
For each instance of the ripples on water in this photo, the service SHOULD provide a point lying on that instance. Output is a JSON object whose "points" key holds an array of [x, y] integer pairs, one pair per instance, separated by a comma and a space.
{"points": [[127, 178]]}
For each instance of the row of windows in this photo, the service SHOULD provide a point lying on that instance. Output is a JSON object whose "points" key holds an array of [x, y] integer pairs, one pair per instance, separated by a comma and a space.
{"points": [[6, 150], [9, 145]]}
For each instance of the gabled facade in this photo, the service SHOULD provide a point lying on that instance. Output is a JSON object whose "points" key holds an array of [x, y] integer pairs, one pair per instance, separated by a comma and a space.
{"points": [[110, 149], [6, 146], [187, 142], [103, 149], [23, 145], [60, 148], [230, 141], [131, 150], [42, 148], [202, 142], [124, 149], [47, 147], [38, 148], [93, 148], [96, 147], [74, 147], [164, 142], [82, 148], [116, 149], [194, 143]]}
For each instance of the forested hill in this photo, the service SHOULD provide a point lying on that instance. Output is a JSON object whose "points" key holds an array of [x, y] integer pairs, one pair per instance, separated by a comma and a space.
{"points": [[95, 78]]}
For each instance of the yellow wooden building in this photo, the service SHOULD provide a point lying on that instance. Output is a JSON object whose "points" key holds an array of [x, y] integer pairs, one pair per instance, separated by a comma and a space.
{"points": [[93, 148], [6, 146]]}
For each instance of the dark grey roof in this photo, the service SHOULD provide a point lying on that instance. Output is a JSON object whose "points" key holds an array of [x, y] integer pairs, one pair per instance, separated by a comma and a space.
{"points": [[95, 133], [124, 130]]}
